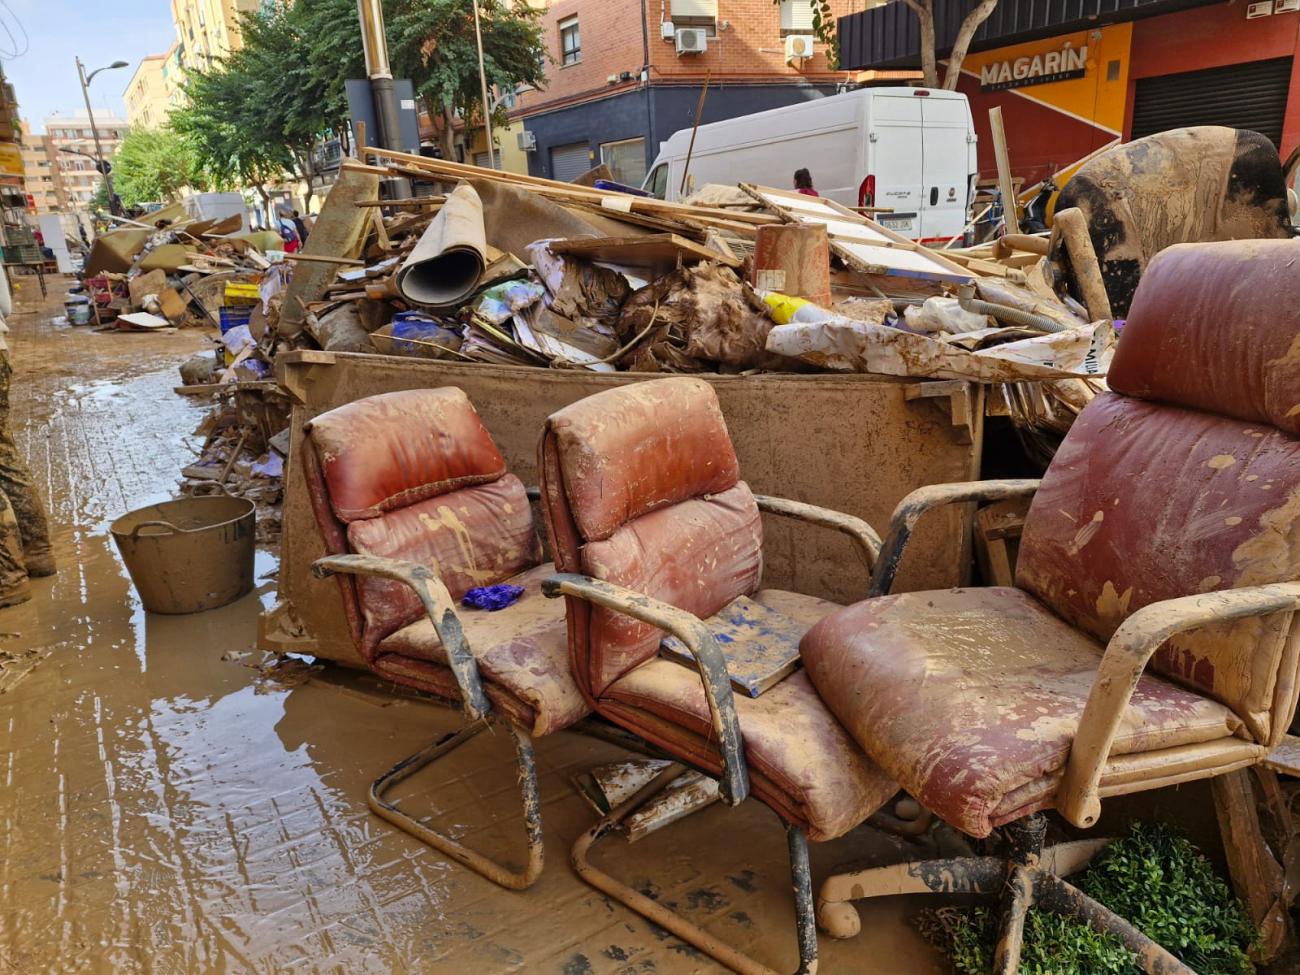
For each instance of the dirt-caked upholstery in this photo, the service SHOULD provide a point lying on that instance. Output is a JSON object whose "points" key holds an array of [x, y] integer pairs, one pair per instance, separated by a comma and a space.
{"points": [[641, 488], [1184, 480], [415, 476]]}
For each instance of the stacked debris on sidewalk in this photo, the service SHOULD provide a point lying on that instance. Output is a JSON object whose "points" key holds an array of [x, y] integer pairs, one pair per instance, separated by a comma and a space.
{"points": [[484, 266]]}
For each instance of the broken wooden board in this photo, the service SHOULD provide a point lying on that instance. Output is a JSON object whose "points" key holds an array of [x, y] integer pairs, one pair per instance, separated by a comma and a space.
{"points": [[651, 251], [174, 307], [861, 243], [142, 285]]}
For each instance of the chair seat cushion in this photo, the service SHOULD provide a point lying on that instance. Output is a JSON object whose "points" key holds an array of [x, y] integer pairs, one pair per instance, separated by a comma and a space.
{"points": [[971, 698], [801, 762], [522, 653]]}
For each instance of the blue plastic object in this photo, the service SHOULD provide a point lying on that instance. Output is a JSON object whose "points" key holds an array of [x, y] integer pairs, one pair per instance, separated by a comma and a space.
{"points": [[492, 598]]}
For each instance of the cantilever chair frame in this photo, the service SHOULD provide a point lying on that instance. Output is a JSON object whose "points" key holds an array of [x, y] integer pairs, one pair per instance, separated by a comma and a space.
{"points": [[734, 780], [477, 710], [1032, 874]]}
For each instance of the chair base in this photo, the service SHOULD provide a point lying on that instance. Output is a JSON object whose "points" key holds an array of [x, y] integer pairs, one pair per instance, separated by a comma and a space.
{"points": [[693, 934], [493, 871], [1030, 876]]}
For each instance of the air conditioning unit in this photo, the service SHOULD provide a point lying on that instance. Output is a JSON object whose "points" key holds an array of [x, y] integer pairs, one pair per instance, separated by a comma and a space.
{"points": [[691, 40], [527, 140], [799, 47]]}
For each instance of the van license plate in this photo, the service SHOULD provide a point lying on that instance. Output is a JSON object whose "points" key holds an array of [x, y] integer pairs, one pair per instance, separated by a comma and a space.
{"points": [[895, 223]]}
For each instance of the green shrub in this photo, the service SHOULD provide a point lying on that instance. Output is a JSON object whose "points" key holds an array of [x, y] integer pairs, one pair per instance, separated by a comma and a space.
{"points": [[1153, 877]]}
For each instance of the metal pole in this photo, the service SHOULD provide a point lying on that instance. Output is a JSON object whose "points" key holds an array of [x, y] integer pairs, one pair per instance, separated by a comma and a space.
{"points": [[99, 152], [374, 44], [482, 77]]}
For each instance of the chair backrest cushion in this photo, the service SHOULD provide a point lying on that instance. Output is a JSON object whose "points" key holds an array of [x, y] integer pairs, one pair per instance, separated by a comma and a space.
{"points": [[477, 536], [414, 475], [640, 488], [396, 449], [1186, 480]]}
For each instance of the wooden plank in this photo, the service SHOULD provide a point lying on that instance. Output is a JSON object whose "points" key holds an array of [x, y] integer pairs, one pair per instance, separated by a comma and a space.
{"points": [[654, 250], [1005, 186], [861, 243], [1257, 878]]}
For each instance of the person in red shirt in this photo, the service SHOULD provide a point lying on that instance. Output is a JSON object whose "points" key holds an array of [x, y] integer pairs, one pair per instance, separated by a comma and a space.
{"points": [[803, 182]]}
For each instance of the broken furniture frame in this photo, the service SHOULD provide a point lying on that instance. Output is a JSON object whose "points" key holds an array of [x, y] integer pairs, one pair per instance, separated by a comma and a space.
{"points": [[440, 608], [1029, 876], [734, 780]]}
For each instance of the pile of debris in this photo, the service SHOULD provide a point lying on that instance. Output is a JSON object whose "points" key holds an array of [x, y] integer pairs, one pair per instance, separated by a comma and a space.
{"points": [[516, 270]]}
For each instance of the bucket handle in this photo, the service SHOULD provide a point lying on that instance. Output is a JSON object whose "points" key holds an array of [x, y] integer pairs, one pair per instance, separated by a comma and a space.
{"points": [[135, 532]]}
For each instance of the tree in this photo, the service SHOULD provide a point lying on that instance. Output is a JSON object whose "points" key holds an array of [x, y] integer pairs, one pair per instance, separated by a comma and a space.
{"points": [[924, 10], [824, 27], [432, 42], [154, 165], [223, 127]]}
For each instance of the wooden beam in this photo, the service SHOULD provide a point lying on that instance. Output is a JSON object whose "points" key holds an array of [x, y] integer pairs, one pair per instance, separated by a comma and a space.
{"points": [[1005, 187]]}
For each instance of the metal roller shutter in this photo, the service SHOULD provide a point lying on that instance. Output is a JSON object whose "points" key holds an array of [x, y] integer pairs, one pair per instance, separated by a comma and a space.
{"points": [[569, 162], [1241, 96]]}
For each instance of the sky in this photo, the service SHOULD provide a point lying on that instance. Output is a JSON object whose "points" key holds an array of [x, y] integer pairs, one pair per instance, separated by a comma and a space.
{"points": [[99, 31]]}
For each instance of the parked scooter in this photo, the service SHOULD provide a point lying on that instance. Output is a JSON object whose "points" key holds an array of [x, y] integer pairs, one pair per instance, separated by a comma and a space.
{"points": [[1035, 218]]}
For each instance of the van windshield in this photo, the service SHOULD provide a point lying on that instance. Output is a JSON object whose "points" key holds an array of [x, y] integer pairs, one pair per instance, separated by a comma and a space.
{"points": [[656, 183]]}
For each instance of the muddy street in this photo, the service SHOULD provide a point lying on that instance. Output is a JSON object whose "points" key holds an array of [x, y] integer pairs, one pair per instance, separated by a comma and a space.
{"points": [[173, 802]]}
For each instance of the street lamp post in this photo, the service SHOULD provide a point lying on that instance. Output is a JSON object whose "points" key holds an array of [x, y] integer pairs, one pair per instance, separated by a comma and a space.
{"points": [[90, 114], [482, 77]]}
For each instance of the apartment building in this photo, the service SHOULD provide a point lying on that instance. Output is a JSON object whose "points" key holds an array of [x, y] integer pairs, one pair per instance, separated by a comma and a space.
{"points": [[41, 179], [154, 89], [77, 179], [207, 29], [627, 74]]}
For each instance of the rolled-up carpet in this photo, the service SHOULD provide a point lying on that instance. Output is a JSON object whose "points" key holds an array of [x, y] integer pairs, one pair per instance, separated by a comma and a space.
{"points": [[445, 266]]}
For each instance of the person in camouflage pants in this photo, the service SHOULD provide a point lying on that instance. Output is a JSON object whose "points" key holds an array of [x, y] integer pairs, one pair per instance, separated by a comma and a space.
{"points": [[24, 529]]}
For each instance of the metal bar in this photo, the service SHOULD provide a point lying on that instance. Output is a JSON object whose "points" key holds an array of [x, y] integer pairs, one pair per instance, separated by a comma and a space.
{"points": [[493, 871]]}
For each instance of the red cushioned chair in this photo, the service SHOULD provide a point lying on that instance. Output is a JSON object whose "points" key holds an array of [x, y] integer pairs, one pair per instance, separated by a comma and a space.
{"points": [[416, 507], [655, 532], [1150, 636]]}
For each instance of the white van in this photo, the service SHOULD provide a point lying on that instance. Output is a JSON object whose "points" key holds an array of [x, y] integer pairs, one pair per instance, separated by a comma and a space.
{"points": [[910, 149]]}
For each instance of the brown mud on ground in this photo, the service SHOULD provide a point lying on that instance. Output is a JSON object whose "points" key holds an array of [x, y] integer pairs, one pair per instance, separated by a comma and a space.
{"points": [[172, 801]]}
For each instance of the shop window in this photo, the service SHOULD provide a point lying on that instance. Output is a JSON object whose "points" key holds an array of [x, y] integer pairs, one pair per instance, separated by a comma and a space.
{"points": [[796, 17], [570, 43], [625, 159]]}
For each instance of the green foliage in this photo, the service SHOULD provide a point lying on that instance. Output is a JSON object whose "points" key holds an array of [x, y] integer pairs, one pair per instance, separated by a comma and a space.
{"points": [[154, 165], [1155, 879], [432, 42], [258, 112], [1162, 884]]}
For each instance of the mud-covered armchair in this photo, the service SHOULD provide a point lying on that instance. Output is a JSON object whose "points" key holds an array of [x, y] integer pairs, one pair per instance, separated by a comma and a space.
{"points": [[416, 507], [655, 533], [1150, 637]]}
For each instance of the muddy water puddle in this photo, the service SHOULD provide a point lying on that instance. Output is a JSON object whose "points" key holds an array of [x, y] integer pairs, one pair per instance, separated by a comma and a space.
{"points": [[174, 801]]}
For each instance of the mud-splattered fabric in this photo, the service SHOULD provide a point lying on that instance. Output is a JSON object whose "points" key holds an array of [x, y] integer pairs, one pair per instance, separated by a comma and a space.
{"points": [[698, 555], [14, 584], [476, 536], [522, 651], [16, 483], [1213, 328], [396, 449], [968, 696], [1145, 502], [628, 451]]}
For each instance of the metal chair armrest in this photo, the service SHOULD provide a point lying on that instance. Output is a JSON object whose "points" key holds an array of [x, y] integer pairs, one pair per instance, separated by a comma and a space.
{"points": [[1126, 657], [863, 535], [912, 507], [439, 606], [690, 629]]}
